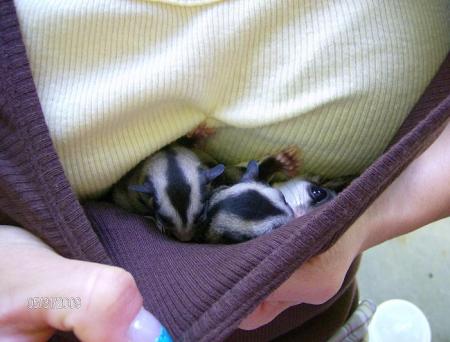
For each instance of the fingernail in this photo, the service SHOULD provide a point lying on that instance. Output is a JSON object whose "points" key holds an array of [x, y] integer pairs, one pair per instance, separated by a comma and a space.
{"points": [[146, 328]]}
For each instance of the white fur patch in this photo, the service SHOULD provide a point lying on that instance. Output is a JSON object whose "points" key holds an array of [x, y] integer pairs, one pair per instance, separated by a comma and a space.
{"points": [[157, 172]]}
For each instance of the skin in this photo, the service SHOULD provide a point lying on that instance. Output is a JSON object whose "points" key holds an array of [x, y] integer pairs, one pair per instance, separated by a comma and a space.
{"points": [[26, 263], [426, 185], [109, 296]]}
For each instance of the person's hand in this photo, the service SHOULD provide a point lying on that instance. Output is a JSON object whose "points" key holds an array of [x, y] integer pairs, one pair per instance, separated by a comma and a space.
{"points": [[41, 292], [420, 195], [315, 282]]}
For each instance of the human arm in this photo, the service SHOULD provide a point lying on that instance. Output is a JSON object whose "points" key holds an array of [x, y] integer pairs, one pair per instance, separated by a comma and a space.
{"points": [[419, 195], [40, 291]]}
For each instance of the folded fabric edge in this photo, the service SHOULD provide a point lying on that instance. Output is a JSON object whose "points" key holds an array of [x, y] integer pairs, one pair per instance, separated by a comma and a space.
{"points": [[53, 209], [362, 191]]}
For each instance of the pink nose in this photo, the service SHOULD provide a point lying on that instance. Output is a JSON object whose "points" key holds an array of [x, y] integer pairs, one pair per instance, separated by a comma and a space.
{"points": [[299, 211], [184, 236]]}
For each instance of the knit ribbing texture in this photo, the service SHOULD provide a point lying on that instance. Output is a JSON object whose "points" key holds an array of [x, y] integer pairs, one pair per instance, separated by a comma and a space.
{"points": [[211, 288], [200, 292], [118, 80], [34, 192]]}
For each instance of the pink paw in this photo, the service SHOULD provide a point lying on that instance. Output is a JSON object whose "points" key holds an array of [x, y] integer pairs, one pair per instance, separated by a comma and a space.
{"points": [[290, 159]]}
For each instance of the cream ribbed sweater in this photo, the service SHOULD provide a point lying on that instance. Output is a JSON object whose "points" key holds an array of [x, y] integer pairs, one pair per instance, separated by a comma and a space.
{"points": [[119, 79]]}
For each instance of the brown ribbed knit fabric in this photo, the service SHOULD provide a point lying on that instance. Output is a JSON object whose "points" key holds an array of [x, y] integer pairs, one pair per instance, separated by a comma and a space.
{"points": [[200, 292], [34, 191]]}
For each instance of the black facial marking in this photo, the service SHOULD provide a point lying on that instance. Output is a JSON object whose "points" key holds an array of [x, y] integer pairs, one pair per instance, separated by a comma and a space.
{"points": [[248, 205], [178, 188]]}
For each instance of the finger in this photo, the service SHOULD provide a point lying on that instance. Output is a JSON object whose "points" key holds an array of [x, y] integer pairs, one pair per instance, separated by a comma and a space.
{"points": [[113, 310], [321, 277], [263, 314], [308, 285], [96, 302], [109, 301]]}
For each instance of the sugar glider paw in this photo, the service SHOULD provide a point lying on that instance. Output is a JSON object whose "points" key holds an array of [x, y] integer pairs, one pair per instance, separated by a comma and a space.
{"points": [[202, 131], [290, 160]]}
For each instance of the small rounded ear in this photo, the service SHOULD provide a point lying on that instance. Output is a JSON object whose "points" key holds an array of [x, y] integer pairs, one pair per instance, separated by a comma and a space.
{"points": [[145, 188], [251, 174], [212, 173]]}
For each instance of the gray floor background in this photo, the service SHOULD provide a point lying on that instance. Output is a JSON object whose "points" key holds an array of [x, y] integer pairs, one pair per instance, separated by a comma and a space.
{"points": [[415, 267]]}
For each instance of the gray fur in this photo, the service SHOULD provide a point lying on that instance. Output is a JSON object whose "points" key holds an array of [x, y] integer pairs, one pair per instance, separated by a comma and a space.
{"points": [[169, 186], [224, 226], [249, 208]]}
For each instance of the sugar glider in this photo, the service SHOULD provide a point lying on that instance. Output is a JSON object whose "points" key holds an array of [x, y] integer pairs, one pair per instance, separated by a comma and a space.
{"points": [[252, 207], [171, 186], [244, 210]]}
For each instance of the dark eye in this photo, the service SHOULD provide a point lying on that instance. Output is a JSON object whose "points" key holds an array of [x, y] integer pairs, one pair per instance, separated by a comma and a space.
{"points": [[317, 194]]}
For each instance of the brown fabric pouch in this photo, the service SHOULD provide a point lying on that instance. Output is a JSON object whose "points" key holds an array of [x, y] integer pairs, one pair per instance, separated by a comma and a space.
{"points": [[199, 292]]}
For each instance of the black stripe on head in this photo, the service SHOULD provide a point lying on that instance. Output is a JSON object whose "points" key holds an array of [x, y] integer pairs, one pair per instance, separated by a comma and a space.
{"points": [[178, 188], [249, 205]]}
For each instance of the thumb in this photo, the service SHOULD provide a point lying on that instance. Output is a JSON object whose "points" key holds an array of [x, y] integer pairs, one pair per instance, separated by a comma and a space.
{"points": [[42, 291], [109, 305]]}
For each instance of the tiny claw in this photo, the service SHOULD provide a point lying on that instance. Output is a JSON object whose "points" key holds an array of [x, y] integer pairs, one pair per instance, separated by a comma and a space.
{"points": [[290, 160]]}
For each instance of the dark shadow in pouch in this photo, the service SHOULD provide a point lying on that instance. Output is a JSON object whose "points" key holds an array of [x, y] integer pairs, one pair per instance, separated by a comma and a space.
{"points": [[201, 292]]}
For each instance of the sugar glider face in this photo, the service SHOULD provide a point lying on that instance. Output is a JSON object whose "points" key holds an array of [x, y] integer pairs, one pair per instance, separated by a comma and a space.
{"points": [[304, 196], [176, 186], [245, 210]]}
